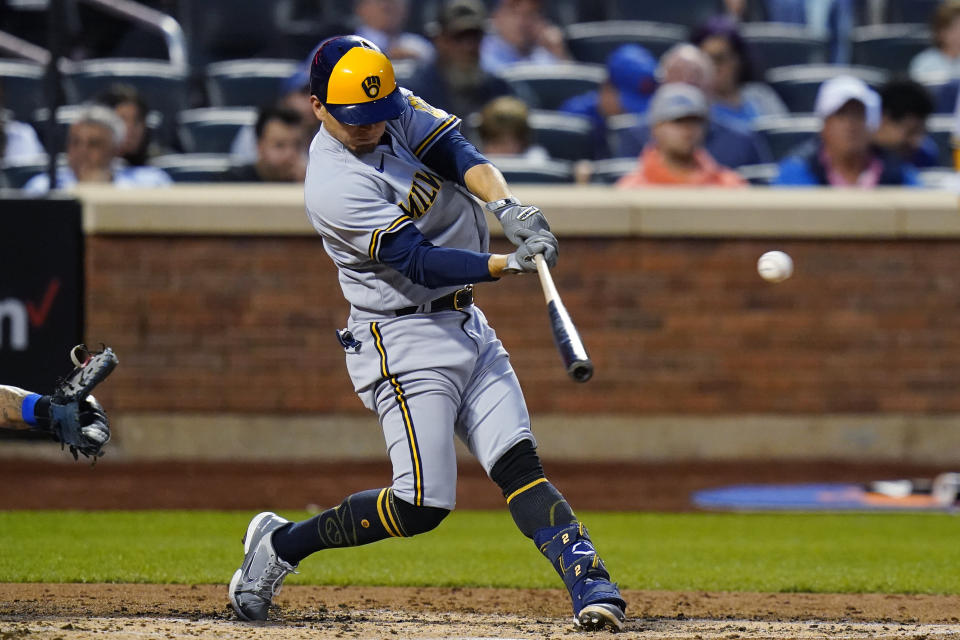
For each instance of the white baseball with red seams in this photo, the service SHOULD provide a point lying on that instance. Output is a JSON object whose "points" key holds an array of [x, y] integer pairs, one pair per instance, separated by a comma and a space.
{"points": [[775, 266]]}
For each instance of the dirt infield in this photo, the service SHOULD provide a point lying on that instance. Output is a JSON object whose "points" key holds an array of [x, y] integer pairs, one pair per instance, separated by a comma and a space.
{"points": [[118, 612], [137, 612]]}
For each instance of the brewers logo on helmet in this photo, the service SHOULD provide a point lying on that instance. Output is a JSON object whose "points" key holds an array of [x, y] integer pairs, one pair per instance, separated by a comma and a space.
{"points": [[354, 81]]}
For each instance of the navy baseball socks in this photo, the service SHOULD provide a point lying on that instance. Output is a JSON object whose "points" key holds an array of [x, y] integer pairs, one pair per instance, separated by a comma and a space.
{"points": [[273, 546], [542, 513]]}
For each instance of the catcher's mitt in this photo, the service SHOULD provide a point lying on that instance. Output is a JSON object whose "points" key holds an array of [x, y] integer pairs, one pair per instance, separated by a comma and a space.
{"points": [[76, 419]]}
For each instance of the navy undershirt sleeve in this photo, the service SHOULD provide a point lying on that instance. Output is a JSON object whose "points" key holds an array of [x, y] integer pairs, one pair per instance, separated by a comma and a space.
{"points": [[452, 155], [407, 251]]}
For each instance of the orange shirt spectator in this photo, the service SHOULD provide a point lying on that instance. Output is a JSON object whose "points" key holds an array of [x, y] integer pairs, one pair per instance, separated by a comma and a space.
{"points": [[675, 156]]}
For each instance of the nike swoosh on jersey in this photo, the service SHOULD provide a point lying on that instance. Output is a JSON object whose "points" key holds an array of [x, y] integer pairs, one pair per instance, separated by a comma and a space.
{"points": [[380, 168]]}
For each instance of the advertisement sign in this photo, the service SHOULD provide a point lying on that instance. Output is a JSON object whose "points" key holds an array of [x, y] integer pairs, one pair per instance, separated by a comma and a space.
{"points": [[41, 290]]}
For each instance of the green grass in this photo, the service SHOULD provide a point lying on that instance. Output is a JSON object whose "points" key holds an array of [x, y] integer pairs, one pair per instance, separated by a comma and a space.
{"points": [[894, 553]]}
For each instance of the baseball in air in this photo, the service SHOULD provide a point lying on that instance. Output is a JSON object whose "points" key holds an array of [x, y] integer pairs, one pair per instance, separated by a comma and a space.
{"points": [[775, 266]]}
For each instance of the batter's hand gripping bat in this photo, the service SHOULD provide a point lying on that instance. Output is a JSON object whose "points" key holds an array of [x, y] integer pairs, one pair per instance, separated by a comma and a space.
{"points": [[565, 335]]}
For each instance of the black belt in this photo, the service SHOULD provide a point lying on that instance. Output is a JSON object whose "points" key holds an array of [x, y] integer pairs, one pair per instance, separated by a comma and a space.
{"points": [[458, 300]]}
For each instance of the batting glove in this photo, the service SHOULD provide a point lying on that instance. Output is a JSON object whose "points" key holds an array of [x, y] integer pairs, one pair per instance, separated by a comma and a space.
{"points": [[515, 217]]}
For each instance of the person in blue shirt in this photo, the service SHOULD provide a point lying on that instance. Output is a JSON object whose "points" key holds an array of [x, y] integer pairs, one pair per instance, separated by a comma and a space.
{"points": [[631, 81], [843, 155], [92, 147], [521, 33], [737, 95]]}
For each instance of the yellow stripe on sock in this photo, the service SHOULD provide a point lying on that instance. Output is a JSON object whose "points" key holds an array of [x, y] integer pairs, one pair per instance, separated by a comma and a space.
{"points": [[524, 488], [389, 511], [383, 519]]}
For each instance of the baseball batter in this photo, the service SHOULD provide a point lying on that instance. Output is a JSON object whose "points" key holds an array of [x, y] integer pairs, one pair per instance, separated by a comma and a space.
{"points": [[388, 187]]}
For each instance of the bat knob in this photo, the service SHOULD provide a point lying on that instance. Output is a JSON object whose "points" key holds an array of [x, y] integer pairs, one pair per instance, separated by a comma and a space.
{"points": [[581, 370]]}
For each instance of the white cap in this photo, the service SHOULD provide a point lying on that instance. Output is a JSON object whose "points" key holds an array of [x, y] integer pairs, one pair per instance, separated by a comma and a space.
{"points": [[836, 92]]}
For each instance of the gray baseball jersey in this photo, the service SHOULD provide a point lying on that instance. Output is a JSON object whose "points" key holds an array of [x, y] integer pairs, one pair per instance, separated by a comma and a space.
{"points": [[428, 375]]}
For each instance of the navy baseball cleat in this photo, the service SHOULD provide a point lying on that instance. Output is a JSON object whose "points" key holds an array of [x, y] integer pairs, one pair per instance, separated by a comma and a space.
{"points": [[605, 608], [261, 575]]}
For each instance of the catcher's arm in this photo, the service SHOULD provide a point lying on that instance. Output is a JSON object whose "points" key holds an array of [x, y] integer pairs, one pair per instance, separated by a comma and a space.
{"points": [[70, 415], [11, 402]]}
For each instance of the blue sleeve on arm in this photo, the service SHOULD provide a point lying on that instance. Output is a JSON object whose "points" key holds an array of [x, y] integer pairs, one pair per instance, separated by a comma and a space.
{"points": [[407, 251], [28, 409], [452, 155]]}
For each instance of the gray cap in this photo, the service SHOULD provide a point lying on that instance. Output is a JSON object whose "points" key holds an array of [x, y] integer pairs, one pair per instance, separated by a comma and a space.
{"points": [[458, 16], [676, 100]]}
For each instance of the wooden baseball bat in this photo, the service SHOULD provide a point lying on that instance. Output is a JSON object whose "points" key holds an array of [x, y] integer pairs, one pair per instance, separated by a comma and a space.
{"points": [[565, 334]]}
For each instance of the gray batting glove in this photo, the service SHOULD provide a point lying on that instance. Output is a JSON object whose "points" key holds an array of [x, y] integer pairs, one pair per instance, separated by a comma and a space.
{"points": [[515, 217], [522, 260]]}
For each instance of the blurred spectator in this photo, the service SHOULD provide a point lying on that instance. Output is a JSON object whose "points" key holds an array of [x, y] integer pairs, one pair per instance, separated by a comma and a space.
{"points": [[505, 130], [280, 149], [127, 102], [454, 81], [295, 95], [905, 107], [521, 33], [21, 139], [843, 155], [382, 21], [631, 80], [675, 156], [736, 95], [833, 19], [944, 57], [92, 145], [729, 142]]}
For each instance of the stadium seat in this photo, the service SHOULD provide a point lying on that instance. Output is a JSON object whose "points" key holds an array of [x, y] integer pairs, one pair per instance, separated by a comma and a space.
{"points": [[775, 44], [595, 41], [941, 128], [911, 11], [889, 46], [162, 86], [611, 170], [622, 139], [797, 85], [785, 133], [193, 167], [212, 130], [22, 85], [759, 174], [19, 173], [547, 86], [247, 83], [229, 30], [68, 114], [521, 170], [689, 13], [564, 136]]}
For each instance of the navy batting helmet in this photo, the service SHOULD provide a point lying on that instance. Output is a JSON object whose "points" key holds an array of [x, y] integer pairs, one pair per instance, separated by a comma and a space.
{"points": [[354, 81]]}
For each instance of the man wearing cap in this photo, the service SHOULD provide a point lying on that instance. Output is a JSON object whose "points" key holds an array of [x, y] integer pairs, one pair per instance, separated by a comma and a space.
{"points": [[675, 156], [455, 81], [391, 187], [631, 80], [843, 156]]}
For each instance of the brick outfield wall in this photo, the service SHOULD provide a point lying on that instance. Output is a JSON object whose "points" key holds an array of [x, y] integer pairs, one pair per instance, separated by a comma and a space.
{"points": [[678, 326]]}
